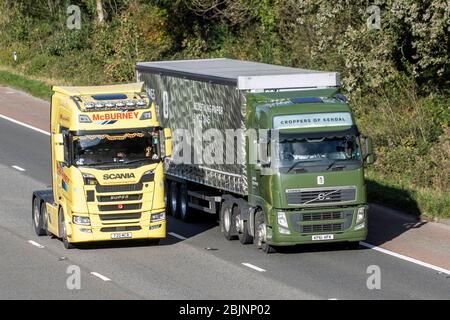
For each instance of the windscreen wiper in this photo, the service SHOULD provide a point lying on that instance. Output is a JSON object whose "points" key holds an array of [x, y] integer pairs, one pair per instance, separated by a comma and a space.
{"points": [[333, 163], [297, 163], [137, 160]]}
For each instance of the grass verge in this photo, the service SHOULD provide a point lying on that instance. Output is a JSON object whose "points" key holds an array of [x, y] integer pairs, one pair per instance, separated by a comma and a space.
{"points": [[423, 202], [34, 87]]}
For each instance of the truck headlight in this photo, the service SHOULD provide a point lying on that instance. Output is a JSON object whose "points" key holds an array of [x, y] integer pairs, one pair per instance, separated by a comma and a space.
{"points": [[84, 119], [361, 214], [360, 226], [282, 221], [141, 103], [83, 221], [283, 230], [89, 179], [146, 115], [158, 216]]}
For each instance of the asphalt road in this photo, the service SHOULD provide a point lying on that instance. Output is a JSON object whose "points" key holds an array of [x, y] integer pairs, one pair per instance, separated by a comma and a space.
{"points": [[34, 267]]}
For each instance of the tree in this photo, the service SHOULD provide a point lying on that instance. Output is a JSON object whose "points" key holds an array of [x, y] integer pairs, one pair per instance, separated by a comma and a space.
{"points": [[100, 15]]}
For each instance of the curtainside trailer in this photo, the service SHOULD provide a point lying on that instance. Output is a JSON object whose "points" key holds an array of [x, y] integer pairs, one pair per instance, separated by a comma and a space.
{"points": [[274, 150]]}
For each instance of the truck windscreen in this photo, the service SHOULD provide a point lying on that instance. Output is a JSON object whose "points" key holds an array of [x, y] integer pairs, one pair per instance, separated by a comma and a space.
{"points": [[114, 149], [318, 154]]}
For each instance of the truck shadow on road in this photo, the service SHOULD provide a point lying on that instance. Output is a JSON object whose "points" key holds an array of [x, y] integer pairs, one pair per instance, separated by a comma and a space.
{"points": [[199, 223], [385, 224]]}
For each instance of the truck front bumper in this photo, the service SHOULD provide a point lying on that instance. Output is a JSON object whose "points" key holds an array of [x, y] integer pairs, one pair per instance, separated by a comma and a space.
{"points": [[290, 240], [299, 231], [81, 233]]}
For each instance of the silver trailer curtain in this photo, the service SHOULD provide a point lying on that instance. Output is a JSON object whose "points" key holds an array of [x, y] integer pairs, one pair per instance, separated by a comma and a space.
{"points": [[193, 107]]}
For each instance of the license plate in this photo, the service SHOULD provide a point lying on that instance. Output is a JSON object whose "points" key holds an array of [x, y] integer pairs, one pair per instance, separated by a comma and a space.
{"points": [[125, 235], [321, 237]]}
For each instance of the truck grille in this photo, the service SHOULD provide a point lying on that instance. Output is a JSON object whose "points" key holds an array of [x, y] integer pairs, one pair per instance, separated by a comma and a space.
{"points": [[320, 195], [126, 216], [111, 206], [340, 221], [321, 216], [116, 198], [120, 207], [120, 229], [119, 188], [331, 227]]}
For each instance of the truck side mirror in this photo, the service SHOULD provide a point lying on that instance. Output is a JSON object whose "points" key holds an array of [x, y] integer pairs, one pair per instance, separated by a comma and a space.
{"points": [[264, 153], [167, 142], [369, 156], [59, 147]]}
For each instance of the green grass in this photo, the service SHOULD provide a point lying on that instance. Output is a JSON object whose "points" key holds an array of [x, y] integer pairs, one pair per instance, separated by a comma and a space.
{"points": [[34, 87], [421, 202]]}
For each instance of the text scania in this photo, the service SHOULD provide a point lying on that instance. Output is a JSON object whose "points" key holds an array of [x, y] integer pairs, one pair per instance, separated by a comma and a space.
{"points": [[115, 116], [118, 176]]}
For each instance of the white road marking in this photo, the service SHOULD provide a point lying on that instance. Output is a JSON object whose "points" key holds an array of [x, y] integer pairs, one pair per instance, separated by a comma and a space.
{"points": [[98, 275], [368, 245], [34, 243], [173, 234], [18, 168], [24, 125], [252, 266], [400, 256]]}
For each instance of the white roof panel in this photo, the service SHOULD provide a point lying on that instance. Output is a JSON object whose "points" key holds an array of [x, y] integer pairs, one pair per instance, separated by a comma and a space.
{"points": [[246, 75]]}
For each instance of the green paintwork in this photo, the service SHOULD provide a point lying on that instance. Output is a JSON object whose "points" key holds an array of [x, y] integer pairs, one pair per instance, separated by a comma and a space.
{"points": [[269, 191]]}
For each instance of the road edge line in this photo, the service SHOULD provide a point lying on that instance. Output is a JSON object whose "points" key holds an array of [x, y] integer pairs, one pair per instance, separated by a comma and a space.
{"points": [[406, 258], [23, 124]]}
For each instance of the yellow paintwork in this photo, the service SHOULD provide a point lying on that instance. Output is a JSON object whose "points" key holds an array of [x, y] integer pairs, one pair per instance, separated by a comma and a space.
{"points": [[69, 190], [91, 90]]}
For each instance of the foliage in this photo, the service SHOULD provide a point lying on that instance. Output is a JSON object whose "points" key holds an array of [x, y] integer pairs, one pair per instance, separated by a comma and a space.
{"points": [[397, 76]]}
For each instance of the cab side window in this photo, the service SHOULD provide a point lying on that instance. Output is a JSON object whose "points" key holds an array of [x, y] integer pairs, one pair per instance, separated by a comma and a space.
{"points": [[66, 136]]}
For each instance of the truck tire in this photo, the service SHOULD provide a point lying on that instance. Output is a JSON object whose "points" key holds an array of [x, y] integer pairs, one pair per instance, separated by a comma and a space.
{"points": [[242, 227], [185, 212], [260, 234], [62, 231], [174, 199], [167, 196], [38, 218], [227, 225], [45, 218]]}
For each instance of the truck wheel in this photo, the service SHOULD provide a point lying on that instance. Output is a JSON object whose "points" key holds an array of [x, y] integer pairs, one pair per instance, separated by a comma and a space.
{"points": [[227, 225], [167, 197], [174, 199], [260, 234], [185, 213], [242, 227], [38, 218], [45, 218], [62, 231]]}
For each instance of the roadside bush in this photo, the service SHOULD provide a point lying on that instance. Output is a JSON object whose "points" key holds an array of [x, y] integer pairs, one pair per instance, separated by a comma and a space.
{"points": [[397, 77]]}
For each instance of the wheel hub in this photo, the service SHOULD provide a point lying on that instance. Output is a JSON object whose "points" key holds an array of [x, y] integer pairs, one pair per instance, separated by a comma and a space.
{"points": [[237, 222], [261, 232], [226, 220], [36, 216]]}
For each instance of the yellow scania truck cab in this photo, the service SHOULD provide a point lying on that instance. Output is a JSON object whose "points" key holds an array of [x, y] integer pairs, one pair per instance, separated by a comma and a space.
{"points": [[107, 152]]}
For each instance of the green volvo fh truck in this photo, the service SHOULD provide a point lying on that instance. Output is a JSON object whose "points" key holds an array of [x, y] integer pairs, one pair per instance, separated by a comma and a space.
{"points": [[273, 150]]}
